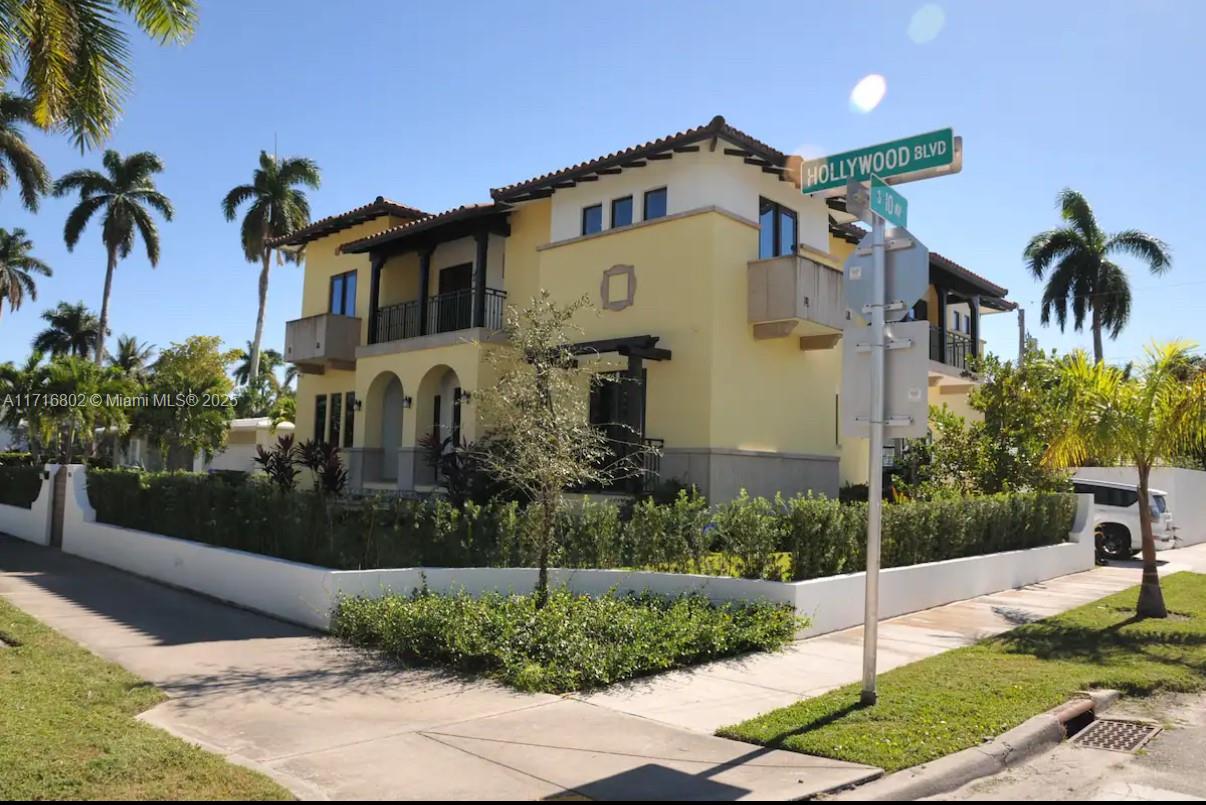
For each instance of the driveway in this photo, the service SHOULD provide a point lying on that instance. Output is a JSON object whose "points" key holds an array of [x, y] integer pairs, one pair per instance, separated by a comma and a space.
{"points": [[333, 723]]}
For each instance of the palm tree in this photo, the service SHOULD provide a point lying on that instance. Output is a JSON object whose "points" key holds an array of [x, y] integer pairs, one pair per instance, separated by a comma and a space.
{"points": [[277, 207], [1153, 415], [131, 356], [76, 56], [1084, 276], [72, 330], [124, 192], [17, 267], [16, 155], [270, 361]]}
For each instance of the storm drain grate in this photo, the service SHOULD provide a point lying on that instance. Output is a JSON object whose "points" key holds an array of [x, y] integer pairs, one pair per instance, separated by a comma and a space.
{"points": [[1116, 735]]}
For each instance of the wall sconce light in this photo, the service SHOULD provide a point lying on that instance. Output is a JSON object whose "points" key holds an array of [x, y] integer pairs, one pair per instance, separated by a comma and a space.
{"points": [[407, 402], [358, 404], [466, 398]]}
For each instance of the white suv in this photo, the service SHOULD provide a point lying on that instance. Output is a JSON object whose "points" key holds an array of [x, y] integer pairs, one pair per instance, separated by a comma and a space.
{"points": [[1116, 517]]}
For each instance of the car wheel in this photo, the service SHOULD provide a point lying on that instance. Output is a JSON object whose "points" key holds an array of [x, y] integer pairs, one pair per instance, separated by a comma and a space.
{"points": [[1115, 543]]}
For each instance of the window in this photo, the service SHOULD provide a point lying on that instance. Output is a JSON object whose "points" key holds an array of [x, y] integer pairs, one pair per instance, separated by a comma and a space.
{"points": [[320, 417], [456, 416], [958, 326], [776, 229], [343, 294], [336, 418], [655, 204], [349, 417], [621, 212], [592, 219], [967, 323], [435, 418]]}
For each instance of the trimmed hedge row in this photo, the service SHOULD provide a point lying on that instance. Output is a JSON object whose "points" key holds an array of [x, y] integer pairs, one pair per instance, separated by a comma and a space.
{"points": [[782, 539], [19, 485], [574, 642]]}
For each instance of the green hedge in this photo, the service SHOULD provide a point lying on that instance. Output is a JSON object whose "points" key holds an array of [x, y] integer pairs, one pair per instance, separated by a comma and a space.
{"points": [[799, 538], [10, 458], [19, 486], [574, 642]]}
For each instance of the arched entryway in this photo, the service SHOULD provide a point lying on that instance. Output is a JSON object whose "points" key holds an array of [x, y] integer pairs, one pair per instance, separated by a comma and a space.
{"points": [[438, 412], [383, 412]]}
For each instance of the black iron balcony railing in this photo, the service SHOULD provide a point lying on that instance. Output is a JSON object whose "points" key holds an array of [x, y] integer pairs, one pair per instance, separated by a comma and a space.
{"points": [[446, 312], [958, 348], [651, 463]]}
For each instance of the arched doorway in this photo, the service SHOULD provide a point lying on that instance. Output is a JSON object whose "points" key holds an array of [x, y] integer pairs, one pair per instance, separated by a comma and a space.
{"points": [[384, 410], [438, 412]]}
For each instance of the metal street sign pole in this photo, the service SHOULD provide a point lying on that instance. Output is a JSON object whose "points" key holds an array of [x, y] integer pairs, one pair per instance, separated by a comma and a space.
{"points": [[875, 483]]}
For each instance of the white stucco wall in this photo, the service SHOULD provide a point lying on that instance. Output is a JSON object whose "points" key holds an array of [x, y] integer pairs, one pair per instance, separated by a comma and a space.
{"points": [[32, 524], [1186, 495], [306, 594]]}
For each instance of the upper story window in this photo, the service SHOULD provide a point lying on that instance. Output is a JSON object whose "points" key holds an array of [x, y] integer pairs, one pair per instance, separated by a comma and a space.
{"points": [[655, 204], [958, 322], [592, 219], [343, 294], [621, 212], [776, 229]]}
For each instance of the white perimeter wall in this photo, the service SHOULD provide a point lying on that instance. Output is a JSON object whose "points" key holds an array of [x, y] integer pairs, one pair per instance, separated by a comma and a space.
{"points": [[306, 594], [32, 524], [1186, 495]]}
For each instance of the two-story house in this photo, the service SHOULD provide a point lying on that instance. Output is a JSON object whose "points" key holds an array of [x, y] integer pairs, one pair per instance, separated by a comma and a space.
{"points": [[719, 295]]}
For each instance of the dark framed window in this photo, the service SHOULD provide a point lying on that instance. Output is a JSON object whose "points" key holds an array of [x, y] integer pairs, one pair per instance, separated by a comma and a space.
{"points": [[349, 417], [621, 212], [777, 229], [336, 419], [958, 322], [320, 418], [456, 416], [435, 417], [592, 219], [343, 294], [655, 204]]}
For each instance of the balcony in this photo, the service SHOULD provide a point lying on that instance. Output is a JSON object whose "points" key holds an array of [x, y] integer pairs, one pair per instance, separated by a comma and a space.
{"points": [[317, 342], [957, 350], [445, 313], [794, 295]]}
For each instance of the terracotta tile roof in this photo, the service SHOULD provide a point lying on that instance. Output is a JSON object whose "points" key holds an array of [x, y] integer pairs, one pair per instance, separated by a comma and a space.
{"points": [[716, 127], [334, 223], [968, 275], [430, 221]]}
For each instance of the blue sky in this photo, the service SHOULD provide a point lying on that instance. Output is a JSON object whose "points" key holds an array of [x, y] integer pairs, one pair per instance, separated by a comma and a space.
{"points": [[432, 104]]}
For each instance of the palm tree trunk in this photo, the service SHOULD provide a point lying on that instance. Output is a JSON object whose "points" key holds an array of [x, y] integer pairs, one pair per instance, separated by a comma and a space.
{"points": [[104, 313], [253, 364], [1151, 598], [1098, 352]]}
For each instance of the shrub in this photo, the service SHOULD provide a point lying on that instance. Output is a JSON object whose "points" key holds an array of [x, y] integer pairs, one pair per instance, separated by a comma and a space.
{"points": [[19, 485], [574, 642], [798, 538], [15, 458]]}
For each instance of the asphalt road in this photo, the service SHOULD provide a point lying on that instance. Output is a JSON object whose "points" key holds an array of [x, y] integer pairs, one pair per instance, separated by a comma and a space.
{"points": [[1170, 767]]}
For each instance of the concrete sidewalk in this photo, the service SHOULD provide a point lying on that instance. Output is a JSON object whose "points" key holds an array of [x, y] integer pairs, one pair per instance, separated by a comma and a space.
{"points": [[332, 723], [726, 692]]}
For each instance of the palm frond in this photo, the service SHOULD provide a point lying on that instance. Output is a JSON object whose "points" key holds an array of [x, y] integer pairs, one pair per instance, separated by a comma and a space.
{"points": [[1148, 248], [78, 218], [1076, 211]]}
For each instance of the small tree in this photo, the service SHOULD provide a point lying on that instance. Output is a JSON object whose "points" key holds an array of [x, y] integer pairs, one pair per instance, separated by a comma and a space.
{"points": [[190, 393], [1151, 414], [537, 414]]}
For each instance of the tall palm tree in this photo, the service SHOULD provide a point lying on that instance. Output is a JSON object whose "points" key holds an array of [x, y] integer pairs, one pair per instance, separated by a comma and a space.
{"points": [[131, 356], [1085, 277], [76, 59], [124, 192], [277, 206], [72, 330], [270, 361], [1155, 415], [17, 267], [17, 159]]}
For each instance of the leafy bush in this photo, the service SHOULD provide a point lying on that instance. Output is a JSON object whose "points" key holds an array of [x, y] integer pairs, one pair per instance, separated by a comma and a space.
{"points": [[574, 642], [15, 458], [19, 485], [798, 538]]}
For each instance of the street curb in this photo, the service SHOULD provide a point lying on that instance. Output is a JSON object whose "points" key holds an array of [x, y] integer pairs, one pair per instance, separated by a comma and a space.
{"points": [[948, 773]]}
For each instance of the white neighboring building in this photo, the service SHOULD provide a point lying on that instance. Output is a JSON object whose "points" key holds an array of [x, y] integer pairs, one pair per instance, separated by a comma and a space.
{"points": [[239, 454]]}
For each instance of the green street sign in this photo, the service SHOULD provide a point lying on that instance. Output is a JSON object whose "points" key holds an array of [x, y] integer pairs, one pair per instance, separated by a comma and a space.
{"points": [[887, 203], [917, 157]]}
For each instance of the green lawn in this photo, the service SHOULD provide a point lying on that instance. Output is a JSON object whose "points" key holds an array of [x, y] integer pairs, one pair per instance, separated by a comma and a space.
{"points": [[67, 729], [958, 699]]}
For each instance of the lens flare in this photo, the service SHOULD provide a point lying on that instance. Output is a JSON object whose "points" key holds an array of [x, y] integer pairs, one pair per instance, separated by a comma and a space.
{"points": [[868, 92], [926, 23]]}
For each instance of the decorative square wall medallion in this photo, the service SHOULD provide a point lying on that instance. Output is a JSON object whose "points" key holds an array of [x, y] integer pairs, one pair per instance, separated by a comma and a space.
{"points": [[618, 289]]}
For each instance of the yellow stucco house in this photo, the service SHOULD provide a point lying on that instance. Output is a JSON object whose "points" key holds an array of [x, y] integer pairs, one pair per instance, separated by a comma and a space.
{"points": [[719, 292]]}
